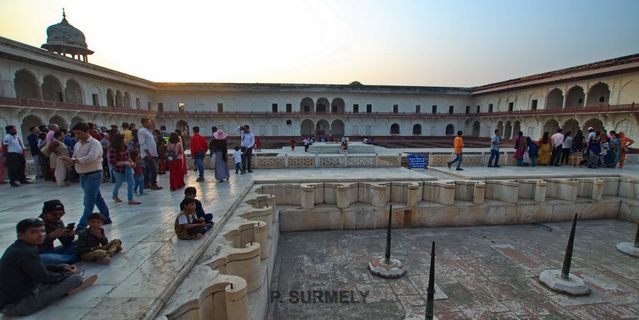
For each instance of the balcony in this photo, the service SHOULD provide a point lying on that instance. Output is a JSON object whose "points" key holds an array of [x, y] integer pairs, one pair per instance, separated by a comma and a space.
{"points": [[42, 104]]}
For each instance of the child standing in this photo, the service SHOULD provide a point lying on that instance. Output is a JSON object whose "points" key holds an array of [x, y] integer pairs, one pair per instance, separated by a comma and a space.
{"points": [[237, 158], [191, 192], [138, 173], [187, 225], [93, 244]]}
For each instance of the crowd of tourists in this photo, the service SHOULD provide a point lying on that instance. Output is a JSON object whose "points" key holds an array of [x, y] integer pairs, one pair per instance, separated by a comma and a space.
{"points": [[596, 149]]}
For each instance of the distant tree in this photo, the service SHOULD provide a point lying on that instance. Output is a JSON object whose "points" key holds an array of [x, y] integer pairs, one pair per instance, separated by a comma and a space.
{"points": [[355, 83]]}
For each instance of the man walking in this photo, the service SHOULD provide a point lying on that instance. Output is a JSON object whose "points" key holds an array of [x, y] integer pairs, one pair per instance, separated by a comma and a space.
{"points": [[87, 158], [458, 144], [495, 141], [32, 138], [557, 141], [15, 157], [198, 151], [248, 141], [149, 153]]}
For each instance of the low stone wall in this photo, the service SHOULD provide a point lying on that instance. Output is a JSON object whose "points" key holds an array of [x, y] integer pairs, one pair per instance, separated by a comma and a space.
{"points": [[356, 205]]}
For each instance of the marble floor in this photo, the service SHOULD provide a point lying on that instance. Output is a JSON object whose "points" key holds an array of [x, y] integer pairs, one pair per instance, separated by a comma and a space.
{"points": [[152, 257], [481, 273], [339, 174]]}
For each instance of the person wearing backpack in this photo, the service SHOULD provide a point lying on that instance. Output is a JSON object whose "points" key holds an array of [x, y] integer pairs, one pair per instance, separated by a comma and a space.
{"points": [[533, 151]]}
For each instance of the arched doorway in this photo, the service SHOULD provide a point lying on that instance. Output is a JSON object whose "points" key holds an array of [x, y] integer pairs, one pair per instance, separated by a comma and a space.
{"points": [[338, 105], [394, 128], [555, 99], [571, 125], [595, 123], [508, 130], [575, 97], [450, 129], [307, 105], [476, 129], [110, 98], [77, 119], [321, 106], [184, 127], [551, 126], [59, 121], [26, 85], [28, 122], [322, 128], [307, 128], [73, 92], [337, 128], [52, 89], [127, 99], [598, 95], [417, 129], [626, 127], [500, 126], [516, 127], [118, 99]]}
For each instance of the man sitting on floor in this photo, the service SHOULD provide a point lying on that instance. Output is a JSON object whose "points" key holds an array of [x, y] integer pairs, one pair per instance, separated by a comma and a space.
{"points": [[52, 213], [26, 284]]}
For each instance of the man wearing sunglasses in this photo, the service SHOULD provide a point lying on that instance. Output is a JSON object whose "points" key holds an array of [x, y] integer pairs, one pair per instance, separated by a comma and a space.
{"points": [[26, 284]]}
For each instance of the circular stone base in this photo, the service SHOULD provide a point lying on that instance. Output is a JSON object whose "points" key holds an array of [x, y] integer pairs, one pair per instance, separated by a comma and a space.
{"points": [[380, 268], [574, 286], [628, 248]]}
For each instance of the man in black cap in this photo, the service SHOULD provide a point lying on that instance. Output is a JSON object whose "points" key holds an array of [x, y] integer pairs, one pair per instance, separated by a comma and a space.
{"points": [[52, 213], [26, 284]]}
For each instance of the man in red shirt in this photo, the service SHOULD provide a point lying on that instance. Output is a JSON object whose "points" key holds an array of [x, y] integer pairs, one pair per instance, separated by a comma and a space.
{"points": [[198, 151]]}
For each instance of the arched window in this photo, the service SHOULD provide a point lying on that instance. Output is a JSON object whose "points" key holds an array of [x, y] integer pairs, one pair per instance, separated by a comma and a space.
{"points": [[110, 98], [394, 129], [417, 129], [26, 85], [450, 129]]}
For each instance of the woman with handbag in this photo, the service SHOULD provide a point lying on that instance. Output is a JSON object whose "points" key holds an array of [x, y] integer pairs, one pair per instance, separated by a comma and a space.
{"points": [[175, 157]]}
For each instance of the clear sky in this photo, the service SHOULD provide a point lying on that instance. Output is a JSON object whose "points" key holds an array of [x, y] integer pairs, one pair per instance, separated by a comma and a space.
{"points": [[438, 43]]}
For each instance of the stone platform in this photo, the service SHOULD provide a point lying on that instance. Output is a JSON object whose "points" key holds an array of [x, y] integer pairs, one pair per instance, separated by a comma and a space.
{"points": [[514, 172], [334, 147]]}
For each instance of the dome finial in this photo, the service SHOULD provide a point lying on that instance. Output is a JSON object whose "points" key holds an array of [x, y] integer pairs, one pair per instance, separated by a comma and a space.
{"points": [[64, 15]]}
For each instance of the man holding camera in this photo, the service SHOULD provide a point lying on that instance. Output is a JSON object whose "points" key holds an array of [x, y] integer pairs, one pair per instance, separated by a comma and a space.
{"points": [[52, 213]]}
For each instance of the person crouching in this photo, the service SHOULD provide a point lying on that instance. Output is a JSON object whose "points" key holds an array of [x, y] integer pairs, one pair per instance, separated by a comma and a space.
{"points": [[187, 225], [93, 245]]}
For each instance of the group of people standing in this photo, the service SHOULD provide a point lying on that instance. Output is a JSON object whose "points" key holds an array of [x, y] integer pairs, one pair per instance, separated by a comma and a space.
{"points": [[596, 149]]}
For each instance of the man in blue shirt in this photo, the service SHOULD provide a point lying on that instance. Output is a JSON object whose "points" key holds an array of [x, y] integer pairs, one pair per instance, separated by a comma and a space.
{"points": [[247, 142], [35, 151], [495, 141]]}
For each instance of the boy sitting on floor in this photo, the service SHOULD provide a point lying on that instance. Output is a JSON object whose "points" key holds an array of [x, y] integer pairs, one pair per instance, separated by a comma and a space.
{"points": [[187, 225], [191, 192], [93, 244]]}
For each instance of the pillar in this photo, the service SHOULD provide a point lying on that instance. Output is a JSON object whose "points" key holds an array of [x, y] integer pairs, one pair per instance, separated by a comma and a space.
{"points": [[479, 193], [308, 196], [597, 189], [413, 195], [540, 191]]}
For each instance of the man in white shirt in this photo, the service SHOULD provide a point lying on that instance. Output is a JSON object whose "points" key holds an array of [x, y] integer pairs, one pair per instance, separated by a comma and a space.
{"points": [[87, 159], [149, 153], [15, 157], [247, 141], [557, 140]]}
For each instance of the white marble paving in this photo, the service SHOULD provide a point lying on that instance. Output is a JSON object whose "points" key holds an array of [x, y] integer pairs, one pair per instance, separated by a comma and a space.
{"points": [[152, 255], [514, 172]]}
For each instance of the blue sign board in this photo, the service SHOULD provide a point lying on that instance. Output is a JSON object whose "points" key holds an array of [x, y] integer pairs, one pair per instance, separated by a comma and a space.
{"points": [[417, 161]]}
